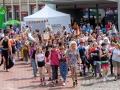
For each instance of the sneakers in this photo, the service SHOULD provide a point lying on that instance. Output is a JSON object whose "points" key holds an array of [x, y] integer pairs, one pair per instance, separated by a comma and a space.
{"points": [[27, 63], [56, 81], [100, 75], [41, 84], [63, 84], [104, 79], [44, 84], [49, 79], [81, 74], [74, 84], [115, 78], [53, 84]]}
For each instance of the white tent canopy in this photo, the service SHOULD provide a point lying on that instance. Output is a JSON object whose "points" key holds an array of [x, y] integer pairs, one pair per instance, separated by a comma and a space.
{"points": [[49, 17]]}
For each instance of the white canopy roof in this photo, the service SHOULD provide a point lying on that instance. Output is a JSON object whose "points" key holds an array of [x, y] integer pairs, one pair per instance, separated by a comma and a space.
{"points": [[45, 13]]}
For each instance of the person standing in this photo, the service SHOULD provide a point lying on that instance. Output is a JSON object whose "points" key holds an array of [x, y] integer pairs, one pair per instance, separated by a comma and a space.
{"points": [[72, 59], [13, 46], [40, 57], [104, 61], [96, 58], [47, 60], [54, 57], [63, 65], [26, 52], [32, 57], [116, 61], [6, 53], [82, 52]]}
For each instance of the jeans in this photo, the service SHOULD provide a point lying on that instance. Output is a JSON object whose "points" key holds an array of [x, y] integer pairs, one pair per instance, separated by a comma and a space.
{"points": [[26, 55], [63, 70], [33, 62], [97, 66], [54, 72]]}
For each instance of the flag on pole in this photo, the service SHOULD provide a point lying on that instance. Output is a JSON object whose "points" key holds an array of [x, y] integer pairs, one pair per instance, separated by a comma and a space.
{"points": [[1, 19], [2, 15], [77, 30]]}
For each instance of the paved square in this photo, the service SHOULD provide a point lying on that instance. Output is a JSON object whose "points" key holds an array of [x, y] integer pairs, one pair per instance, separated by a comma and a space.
{"points": [[20, 77]]}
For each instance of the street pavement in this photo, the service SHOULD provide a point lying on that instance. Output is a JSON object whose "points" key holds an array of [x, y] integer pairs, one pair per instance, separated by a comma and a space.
{"points": [[20, 77], [96, 83]]}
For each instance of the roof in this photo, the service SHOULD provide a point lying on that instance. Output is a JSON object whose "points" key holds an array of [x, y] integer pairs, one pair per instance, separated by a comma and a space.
{"points": [[46, 13]]}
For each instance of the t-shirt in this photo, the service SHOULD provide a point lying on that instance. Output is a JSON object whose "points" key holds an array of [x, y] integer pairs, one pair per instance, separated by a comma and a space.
{"points": [[33, 54], [81, 50], [12, 42], [89, 30], [40, 57], [2, 35], [115, 56], [54, 57]]}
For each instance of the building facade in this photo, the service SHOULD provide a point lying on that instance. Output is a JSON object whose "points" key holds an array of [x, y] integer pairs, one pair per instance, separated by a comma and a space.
{"points": [[18, 9]]}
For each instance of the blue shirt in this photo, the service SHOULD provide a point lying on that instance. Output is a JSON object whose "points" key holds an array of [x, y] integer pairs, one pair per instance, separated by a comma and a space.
{"points": [[84, 28], [81, 48], [103, 30], [88, 30]]}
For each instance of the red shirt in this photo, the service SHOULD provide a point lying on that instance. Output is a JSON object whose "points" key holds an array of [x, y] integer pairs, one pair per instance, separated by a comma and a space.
{"points": [[54, 57], [108, 27]]}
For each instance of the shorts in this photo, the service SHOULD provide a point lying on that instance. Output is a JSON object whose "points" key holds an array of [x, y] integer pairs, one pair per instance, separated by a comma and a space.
{"points": [[41, 64], [97, 62], [116, 64], [104, 64]]}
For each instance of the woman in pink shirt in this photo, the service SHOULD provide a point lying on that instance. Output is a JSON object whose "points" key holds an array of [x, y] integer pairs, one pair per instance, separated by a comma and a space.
{"points": [[54, 57]]}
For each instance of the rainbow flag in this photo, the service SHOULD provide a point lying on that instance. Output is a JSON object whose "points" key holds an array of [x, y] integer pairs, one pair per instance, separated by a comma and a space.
{"points": [[91, 67], [2, 15], [77, 30]]}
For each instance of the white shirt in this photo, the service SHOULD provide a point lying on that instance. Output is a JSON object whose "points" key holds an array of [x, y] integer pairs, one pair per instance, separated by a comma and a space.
{"points": [[26, 30], [100, 42], [17, 30], [115, 56], [2, 35], [86, 38], [40, 57]]}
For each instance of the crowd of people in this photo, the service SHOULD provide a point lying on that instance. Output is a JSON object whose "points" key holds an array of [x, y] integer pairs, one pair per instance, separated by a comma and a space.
{"points": [[89, 50]]}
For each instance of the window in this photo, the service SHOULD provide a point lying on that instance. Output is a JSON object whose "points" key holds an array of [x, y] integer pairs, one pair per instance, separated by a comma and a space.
{"points": [[33, 9], [9, 13], [17, 12]]}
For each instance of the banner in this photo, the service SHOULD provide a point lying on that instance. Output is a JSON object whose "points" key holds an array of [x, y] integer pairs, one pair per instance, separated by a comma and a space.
{"points": [[56, 28], [1, 19], [2, 15], [46, 36]]}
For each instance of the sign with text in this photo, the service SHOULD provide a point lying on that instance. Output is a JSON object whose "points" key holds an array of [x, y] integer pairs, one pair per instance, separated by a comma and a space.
{"points": [[46, 36], [56, 28]]}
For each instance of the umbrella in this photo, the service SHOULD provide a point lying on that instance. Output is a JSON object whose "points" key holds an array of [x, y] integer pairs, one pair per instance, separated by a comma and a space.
{"points": [[12, 22]]}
